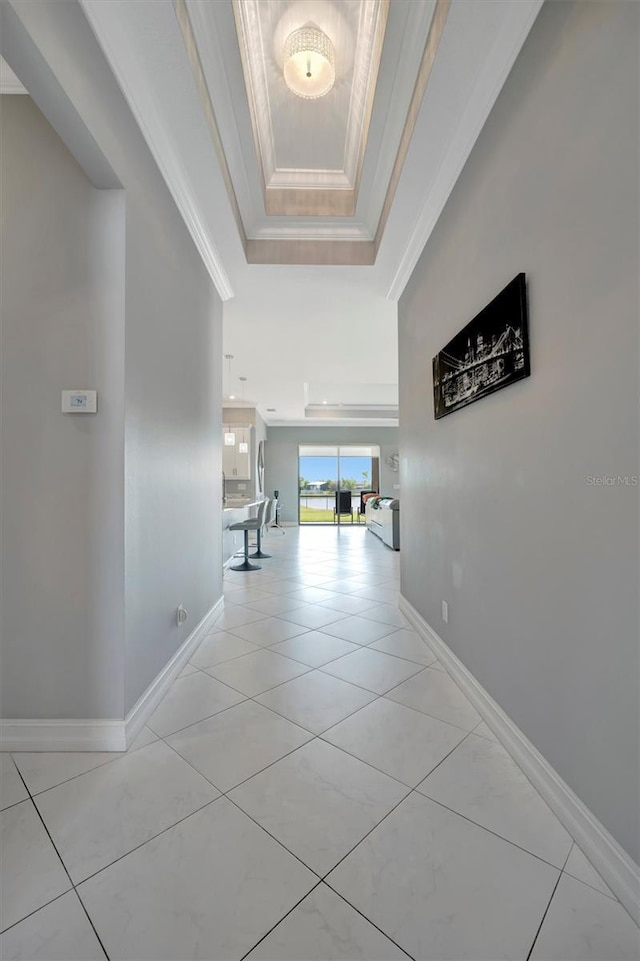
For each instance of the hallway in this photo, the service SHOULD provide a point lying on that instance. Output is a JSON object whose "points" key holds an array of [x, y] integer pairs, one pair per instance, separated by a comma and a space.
{"points": [[313, 786]]}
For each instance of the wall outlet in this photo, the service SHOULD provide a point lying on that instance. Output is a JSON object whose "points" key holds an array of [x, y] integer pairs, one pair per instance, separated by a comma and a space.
{"points": [[181, 615], [445, 612]]}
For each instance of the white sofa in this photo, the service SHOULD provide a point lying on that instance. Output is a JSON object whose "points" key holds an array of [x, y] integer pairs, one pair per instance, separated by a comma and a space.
{"points": [[384, 520]]}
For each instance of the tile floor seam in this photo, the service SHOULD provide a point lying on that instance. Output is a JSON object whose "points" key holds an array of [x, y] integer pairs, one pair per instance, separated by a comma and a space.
{"points": [[363, 915], [118, 756], [90, 920], [147, 840], [546, 910], [489, 830], [319, 737], [610, 895], [434, 717], [35, 911], [267, 689], [54, 846], [410, 791], [293, 750], [272, 836], [284, 916], [179, 730], [315, 733], [368, 689], [410, 787]]}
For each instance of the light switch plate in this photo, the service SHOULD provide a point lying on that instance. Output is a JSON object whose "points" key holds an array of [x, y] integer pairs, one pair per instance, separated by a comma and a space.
{"points": [[79, 401]]}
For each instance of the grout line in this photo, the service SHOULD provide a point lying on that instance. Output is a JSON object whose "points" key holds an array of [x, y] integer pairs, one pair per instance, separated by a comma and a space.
{"points": [[35, 911], [95, 931], [147, 840], [410, 787], [434, 717], [421, 668], [255, 773], [489, 830], [254, 946], [555, 888], [363, 915], [365, 836], [163, 737], [273, 837]]}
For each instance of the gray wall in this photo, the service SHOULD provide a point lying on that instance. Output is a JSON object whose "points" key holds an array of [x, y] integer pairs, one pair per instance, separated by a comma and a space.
{"points": [[540, 567], [62, 284], [281, 457], [173, 437], [171, 481]]}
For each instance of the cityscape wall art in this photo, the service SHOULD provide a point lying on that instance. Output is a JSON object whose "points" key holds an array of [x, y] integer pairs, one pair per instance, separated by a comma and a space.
{"points": [[490, 353]]}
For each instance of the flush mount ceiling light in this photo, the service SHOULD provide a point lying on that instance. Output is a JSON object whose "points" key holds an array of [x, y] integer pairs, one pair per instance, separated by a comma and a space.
{"points": [[309, 69]]}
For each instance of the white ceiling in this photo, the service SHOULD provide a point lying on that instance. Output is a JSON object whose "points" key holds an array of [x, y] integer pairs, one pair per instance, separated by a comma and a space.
{"points": [[296, 331], [9, 83]]}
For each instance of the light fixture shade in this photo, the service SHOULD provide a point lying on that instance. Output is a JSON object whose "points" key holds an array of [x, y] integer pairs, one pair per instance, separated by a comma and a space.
{"points": [[309, 69], [229, 439], [243, 447]]}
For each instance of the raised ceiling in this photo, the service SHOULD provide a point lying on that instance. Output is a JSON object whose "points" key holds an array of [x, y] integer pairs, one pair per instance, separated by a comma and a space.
{"points": [[304, 332], [310, 152], [317, 175]]}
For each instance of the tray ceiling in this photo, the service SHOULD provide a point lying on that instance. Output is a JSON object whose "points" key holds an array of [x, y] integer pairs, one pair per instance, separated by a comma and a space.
{"points": [[305, 334], [309, 180], [310, 151]]}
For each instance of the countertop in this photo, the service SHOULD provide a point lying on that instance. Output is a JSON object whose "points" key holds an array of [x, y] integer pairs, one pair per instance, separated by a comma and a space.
{"points": [[240, 506]]}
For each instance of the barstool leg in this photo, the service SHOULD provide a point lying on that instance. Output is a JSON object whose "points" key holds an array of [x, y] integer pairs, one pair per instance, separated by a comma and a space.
{"points": [[246, 564], [259, 552]]}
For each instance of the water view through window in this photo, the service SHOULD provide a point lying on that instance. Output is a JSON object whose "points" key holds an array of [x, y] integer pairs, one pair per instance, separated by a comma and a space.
{"points": [[331, 479]]}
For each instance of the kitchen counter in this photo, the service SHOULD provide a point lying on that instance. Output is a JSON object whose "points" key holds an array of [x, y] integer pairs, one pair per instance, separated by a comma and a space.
{"points": [[233, 513]]}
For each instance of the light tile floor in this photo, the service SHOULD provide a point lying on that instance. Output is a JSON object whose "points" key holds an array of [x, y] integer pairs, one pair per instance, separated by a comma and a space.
{"points": [[313, 786]]}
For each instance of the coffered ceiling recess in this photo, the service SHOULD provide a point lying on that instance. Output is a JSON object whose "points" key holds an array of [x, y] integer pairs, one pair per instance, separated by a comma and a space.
{"points": [[311, 152], [315, 176]]}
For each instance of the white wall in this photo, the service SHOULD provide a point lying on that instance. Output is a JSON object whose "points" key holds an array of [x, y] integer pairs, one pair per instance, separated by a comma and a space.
{"points": [[62, 291], [171, 439], [540, 569], [281, 457]]}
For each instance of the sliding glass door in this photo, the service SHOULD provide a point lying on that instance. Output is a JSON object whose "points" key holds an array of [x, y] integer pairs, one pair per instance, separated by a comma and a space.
{"points": [[331, 479]]}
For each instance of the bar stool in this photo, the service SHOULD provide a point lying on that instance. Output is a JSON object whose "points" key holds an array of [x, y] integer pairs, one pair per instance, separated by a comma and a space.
{"points": [[265, 520], [251, 524]]}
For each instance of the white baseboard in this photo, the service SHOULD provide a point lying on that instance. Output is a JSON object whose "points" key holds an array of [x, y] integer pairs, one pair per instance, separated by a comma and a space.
{"points": [[98, 734], [612, 862], [62, 734], [148, 702]]}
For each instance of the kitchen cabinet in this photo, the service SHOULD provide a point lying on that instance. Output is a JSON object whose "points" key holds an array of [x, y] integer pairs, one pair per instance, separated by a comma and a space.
{"points": [[237, 446]]}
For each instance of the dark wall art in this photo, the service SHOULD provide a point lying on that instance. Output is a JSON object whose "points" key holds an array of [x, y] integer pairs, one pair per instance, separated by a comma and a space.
{"points": [[491, 352]]}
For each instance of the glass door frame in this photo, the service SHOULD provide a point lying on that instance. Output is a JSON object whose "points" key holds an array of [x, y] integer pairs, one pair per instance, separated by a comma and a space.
{"points": [[341, 451]]}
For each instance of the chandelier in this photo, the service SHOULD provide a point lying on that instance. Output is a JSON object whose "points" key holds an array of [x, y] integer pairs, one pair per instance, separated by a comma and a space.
{"points": [[309, 69]]}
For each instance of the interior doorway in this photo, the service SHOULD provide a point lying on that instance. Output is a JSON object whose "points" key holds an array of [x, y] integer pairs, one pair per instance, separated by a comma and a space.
{"points": [[331, 479]]}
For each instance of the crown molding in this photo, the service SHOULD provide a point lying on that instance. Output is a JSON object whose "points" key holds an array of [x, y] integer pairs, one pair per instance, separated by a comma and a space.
{"points": [[283, 229], [101, 17], [508, 42]]}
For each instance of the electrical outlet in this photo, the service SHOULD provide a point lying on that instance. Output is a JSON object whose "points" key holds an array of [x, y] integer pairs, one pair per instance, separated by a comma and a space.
{"points": [[181, 615], [445, 612]]}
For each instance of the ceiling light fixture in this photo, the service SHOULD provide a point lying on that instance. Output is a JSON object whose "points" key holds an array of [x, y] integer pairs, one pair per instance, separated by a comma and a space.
{"points": [[309, 69], [229, 358]]}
